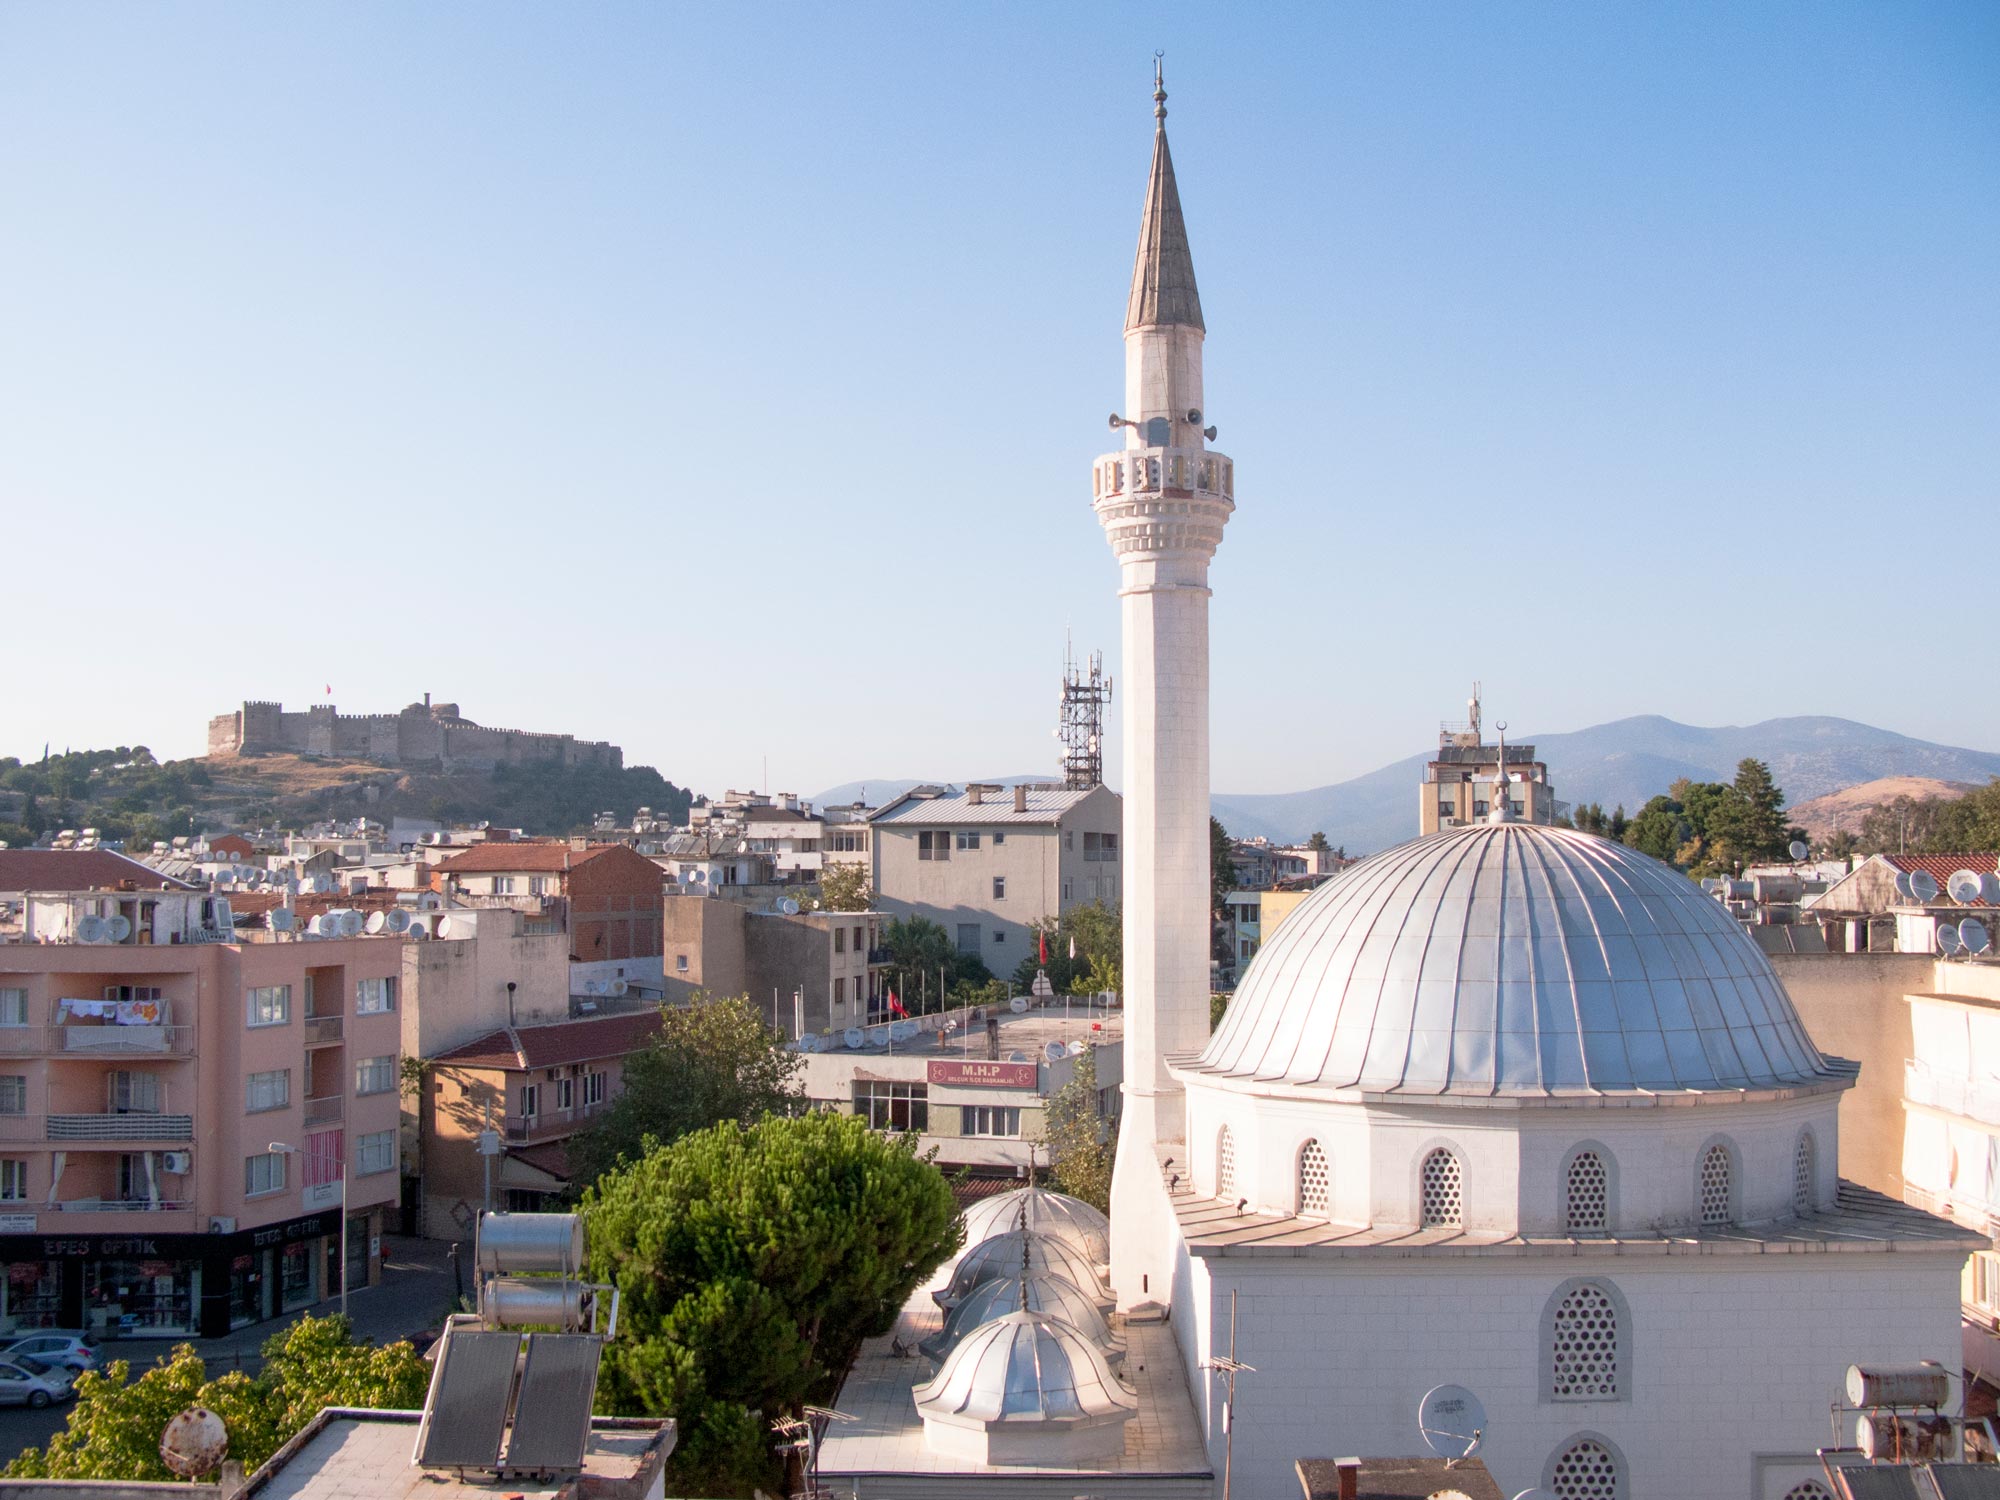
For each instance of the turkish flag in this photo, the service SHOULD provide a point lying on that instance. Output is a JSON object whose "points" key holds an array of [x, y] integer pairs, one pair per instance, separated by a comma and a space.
{"points": [[1042, 951], [896, 1005]]}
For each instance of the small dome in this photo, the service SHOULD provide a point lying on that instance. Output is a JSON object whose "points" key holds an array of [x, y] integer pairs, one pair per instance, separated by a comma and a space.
{"points": [[1047, 1293], [1001, 1256], [1509, 958], [1048, 1213], [1026, 1371]]}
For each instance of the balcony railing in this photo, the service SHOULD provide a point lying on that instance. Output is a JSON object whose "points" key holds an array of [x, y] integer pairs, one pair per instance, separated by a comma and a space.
{"points": [[550, 1122], [1975, 1098], [321, 1030], [880, 956], [96, 1041], [98, 1127], [119, 1206], [325, 1110]]}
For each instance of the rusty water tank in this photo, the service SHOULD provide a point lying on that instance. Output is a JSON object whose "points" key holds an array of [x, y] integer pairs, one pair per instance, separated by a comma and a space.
{"points": [[1898, 1385]]}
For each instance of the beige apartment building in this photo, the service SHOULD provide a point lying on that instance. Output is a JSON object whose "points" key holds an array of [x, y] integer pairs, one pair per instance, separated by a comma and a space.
{"points": [[151, 1057], [812, 971], [987, 861]]}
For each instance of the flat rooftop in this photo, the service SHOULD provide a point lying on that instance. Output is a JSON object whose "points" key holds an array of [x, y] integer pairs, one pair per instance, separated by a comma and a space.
{"points": [[1028, 1031], [883, 1453]]}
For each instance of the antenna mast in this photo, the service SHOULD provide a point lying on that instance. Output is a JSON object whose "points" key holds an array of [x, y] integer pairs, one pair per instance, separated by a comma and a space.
{"points": [[1085, 692]]}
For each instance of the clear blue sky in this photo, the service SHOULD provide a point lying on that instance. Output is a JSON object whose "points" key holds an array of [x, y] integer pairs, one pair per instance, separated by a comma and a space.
{"points": [[724, 380]]}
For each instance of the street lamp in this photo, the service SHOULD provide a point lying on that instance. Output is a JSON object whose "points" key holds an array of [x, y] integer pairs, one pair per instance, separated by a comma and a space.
{"points": [[283, 1150]]}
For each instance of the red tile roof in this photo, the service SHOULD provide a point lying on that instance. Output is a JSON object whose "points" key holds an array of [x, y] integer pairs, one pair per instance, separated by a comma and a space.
{"points": [[551, 1046], [551, 1157], [78, 870], [538, 858], [1942, 867]]}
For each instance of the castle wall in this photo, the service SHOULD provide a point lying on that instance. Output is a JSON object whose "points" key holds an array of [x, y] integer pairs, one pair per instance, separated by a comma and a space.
{"points": [[416, 736]]}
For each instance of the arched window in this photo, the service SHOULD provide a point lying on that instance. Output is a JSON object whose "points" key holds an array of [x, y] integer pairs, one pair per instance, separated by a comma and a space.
{"points": [[1225, 1163], [1443, 1182], [1587, 1203], [1808, 1489], [1714, 1185], [1584, 1346], [1803, 1174], [1587, 1469], [1314, 1197]]}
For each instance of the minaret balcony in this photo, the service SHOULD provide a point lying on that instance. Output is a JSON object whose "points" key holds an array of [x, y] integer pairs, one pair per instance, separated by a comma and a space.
{"points": [[1182, 473]]}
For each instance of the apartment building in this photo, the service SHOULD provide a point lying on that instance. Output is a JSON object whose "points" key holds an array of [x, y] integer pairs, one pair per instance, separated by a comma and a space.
{"points": [[810, 971], [986, 861], [610, 893], [498, 1109], [179, 1103]]}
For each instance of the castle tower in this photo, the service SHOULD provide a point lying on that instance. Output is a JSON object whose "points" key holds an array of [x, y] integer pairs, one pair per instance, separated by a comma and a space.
{"points": [[1163, 501]]}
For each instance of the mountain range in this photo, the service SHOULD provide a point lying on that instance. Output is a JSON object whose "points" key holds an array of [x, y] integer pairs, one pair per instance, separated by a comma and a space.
{"points": [[1622, 762]]}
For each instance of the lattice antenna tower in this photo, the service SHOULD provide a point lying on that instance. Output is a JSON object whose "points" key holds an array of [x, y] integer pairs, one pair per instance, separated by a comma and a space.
{"points": [[1086, 690]]}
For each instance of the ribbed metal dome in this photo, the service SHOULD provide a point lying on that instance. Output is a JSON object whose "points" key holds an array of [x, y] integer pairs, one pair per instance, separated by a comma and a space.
{"points": [[1046, 1293], [1002, 1255], [1512, 959], [1048, 1213], [1028, 1368]]}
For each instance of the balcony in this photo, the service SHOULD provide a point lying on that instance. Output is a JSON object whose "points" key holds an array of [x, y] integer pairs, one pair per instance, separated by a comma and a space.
{"points": [[120, 1206], [98, 1127], [96, 1041], [880, 956], [324, 1031], [328, 1109], [550, 1124], [1974, 1098]]}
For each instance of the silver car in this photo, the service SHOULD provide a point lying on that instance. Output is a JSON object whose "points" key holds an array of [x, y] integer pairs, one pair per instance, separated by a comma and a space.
{"points": [[63, 1350], [29, 1382]]}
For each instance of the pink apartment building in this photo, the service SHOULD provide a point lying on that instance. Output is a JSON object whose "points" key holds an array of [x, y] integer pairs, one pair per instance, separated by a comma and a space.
{"points": [[148, 1061]]}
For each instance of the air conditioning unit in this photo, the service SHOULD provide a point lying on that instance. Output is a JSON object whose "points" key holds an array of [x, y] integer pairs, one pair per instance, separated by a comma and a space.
{"points": [[177, 1163], [222, 1226]]}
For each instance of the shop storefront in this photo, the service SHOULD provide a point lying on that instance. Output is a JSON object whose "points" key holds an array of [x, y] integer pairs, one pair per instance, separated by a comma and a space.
{"points": [[176, 1285]]}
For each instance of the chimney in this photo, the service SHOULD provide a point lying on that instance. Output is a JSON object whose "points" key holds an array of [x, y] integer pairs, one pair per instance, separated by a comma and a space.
{"points": [[1349, 1470], [975, 794], [1020, 798]]}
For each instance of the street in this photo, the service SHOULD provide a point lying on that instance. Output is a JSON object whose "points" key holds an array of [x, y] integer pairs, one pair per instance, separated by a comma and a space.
{"points": [[415, 1293]]}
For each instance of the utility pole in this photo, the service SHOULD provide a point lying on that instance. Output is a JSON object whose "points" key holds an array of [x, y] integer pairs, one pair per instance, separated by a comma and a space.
{"points": [[1231, 1367]]}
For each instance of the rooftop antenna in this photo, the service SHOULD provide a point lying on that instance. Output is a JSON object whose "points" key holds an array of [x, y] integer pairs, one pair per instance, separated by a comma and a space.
{"points": [[1231, 1367], [1085, 691]]}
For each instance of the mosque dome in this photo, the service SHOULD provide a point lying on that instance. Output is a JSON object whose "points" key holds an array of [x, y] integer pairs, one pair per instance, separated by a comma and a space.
{"points": [[1511, 959], [1017, 1254], [1058, 1214], [1046, 1293], [1025, 1385]]}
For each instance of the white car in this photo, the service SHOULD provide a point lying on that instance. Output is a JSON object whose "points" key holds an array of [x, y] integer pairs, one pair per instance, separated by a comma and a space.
{"points": [[60, 1349], [29, 1382]]}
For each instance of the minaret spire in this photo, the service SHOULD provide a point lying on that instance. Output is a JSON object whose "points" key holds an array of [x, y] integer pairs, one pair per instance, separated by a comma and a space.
{"points": [[1159, 89], [1163, 290]]}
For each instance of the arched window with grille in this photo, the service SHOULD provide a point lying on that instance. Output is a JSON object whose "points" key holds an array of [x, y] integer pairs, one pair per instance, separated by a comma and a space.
{"points": [[1225, 1162], [1442, 1186], [1315, 1191], [1587, 1467], [1586, 1343], [1715, 1186], [1808, 1489], [1587, 1193], [1805, 1174]]}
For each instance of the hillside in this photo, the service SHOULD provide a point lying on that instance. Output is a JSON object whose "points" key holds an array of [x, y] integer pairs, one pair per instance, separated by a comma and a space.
{"points": [[126, 794], [1622, 762], [1848, 808]]}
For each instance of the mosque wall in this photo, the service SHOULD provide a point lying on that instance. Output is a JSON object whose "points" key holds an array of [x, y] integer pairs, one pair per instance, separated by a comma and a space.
{"points": [[1732, 1361]]}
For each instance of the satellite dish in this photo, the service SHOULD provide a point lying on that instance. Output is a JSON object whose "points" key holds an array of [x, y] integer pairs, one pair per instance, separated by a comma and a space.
{"points": [[225, 877], [1019, 1057], [1055, 1051], [619, 986], [420, 932], [351, 923], [1451, 1421], [1923, 887], [1973, 936], [1965, 886], [1947, 938], [117, 929], [906, 1029], [195, 1442], [881, 1036], [1799, 849], [854, 1036], [698, 877], [1076, 1047], [1989, 889], [808, 1043], [1903, 885], [377, 920], [1018, 1004], [280, 919], [90, 928], [444, 927], [397, 921], [789, 907]]}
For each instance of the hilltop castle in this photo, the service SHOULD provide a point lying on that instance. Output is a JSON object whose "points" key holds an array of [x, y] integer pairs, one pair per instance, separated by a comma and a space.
{"points": [[423, 734]]}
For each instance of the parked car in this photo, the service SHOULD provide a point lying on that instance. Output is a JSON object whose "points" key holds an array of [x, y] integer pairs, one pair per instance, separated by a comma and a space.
{"points": [[29, 1382], [60, 1349]]}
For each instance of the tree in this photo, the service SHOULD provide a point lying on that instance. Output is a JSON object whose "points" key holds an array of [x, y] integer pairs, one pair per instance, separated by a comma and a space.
{"points": [[1098, 930], [929, 963], [845, 887], [1082, 1144], [1660, 829], [751, 1264], [710, 1062], [1748, 823], [1221, 869], [114, 1428], [1318, 844]]}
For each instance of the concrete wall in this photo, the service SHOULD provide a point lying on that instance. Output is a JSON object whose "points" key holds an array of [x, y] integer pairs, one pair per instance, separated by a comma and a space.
{"points": [[1852, 1005], [704, 948], [456, 988]]}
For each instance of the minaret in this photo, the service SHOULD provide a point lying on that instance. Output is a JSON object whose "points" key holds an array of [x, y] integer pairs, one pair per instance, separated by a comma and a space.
{"points": [[1163, 501]]}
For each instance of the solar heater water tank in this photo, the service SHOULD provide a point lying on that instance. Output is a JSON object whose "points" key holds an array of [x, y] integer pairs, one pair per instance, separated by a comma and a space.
{"points": [[530, 1242]]}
